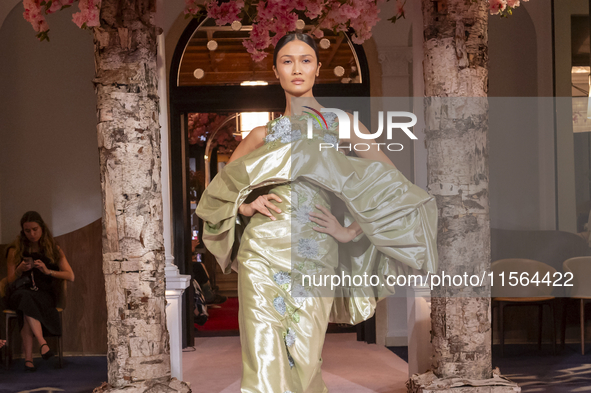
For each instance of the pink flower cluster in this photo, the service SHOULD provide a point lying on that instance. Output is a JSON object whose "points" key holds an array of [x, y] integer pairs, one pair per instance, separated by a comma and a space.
{"points": [[192, 7], [224, 13], [200, 126], [89, 13], [280, 16], [35, 11], [498, 6]]}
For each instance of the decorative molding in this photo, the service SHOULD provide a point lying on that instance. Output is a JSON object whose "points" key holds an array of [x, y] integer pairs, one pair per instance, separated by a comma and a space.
{"points": [[395, 60]]}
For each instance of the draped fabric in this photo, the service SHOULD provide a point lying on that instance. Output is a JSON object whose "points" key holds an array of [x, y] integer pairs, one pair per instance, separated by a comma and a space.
{"points": [[282, 321]]}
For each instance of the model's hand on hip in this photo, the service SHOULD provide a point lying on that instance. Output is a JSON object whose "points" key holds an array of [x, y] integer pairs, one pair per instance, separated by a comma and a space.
{"points": [[330, 225], [262, 205]]}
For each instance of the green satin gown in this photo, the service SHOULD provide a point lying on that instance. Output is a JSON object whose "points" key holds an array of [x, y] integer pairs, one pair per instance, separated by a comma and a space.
{"points": [[282, 321]]}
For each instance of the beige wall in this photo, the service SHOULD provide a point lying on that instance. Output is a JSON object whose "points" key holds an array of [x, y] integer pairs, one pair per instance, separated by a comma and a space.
{"points": [[564, 131], [48, 148]]}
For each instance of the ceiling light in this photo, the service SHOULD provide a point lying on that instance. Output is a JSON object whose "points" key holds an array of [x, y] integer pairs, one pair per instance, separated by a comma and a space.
{"points": [[236, 25], [198, 73], [254, 83], [339, 71], [212, 45]]}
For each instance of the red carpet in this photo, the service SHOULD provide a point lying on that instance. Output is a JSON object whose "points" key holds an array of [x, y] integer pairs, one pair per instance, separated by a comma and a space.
{"points": [[224, 318]]}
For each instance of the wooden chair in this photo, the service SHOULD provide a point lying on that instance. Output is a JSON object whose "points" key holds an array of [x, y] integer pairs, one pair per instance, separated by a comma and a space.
{"points": [[523, 295], [580, 267], [10, 316]]}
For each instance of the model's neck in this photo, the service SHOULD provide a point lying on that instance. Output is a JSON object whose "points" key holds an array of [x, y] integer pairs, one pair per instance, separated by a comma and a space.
{"points": [[306, 99]]}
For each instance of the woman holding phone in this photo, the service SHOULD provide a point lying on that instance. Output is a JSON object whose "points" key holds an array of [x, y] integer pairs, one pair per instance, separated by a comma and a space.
{"points": [[35, 261]]}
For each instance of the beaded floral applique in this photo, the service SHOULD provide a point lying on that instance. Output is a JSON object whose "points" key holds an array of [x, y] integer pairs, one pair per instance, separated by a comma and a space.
{"points": [[283, 130], [283, 279]]}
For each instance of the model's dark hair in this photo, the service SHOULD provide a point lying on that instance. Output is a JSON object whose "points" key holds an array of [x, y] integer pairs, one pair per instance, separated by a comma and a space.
{"points": [[294, 36]]}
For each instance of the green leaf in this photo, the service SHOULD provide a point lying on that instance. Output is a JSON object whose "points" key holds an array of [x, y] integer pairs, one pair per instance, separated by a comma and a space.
{"points": [[296, 317]]}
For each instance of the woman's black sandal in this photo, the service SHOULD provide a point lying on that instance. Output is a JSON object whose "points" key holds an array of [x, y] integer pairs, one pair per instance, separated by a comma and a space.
{"points": [[30, 369], [47, 355]]}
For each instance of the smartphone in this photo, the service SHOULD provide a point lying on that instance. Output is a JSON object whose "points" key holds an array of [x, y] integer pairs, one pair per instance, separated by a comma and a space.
{"points": [[29, 261]]}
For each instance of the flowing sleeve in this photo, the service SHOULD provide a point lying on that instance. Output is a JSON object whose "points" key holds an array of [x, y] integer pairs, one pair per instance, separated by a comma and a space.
{"points": [[398, 218], [219, 203]]}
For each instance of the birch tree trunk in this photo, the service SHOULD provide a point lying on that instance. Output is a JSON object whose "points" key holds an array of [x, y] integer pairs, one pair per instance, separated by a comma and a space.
{"points": [[129, 149], [455, 67]]}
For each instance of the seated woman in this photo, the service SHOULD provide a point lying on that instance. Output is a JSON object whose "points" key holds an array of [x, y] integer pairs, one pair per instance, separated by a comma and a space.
{"points": [[35, 261]]}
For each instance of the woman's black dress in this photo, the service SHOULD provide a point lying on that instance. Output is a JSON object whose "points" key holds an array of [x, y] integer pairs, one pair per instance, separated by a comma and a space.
{"points": [[39, 304]]}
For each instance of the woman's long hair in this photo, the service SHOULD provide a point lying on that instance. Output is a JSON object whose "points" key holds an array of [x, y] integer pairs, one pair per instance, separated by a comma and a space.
{"points": [[47, 244]]}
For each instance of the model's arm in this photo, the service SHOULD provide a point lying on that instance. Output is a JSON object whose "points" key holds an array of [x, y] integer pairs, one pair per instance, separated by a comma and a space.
{"points": [[254, 140], [373, 152], [329, 224]]}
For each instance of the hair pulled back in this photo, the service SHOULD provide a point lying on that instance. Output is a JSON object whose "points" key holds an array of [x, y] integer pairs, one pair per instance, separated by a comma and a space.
{"points": [[294, 36]]}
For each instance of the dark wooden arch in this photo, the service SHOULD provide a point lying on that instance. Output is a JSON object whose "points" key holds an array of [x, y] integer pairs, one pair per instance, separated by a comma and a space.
{"points": [[187, 99]]}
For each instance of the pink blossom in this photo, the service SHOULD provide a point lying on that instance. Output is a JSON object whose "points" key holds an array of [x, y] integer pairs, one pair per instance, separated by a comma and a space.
{"points": [[286, 21], [191, 7], [79, 18], [314, 8], [513, 3], [300, 5], [55, 6], [34, 15], [318, 33], [497, 6], [225, 13], [259, 35], [256, 55], [89, 13]]}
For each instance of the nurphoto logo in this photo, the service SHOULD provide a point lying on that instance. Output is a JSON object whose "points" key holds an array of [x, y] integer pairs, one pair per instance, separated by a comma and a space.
{"points": [[345, 128]]}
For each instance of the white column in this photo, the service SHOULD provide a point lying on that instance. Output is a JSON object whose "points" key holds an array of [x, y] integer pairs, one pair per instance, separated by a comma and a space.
{"points": [[175, 282], [419, 328]]}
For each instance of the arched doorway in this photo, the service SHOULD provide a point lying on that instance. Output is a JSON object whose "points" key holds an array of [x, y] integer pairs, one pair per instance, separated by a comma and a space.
{"points": [[207, 87]]}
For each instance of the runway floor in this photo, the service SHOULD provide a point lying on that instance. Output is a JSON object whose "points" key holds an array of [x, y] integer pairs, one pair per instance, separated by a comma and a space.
{"points": [[349, 366]]}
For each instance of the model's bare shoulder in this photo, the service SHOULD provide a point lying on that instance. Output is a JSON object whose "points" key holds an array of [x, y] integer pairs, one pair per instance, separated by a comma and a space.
{"points": [[258, 133], [254, 140]]}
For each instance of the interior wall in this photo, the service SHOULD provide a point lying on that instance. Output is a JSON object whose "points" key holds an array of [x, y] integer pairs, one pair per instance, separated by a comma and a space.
{"points": [[521, 154], [563, 10], [48, 148]]}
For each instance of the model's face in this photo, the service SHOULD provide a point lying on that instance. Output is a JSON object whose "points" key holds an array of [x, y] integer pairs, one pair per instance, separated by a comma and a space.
{"points": [[297, 67], [32, 231]]}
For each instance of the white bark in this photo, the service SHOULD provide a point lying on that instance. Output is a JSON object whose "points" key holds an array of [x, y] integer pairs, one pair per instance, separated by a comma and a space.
{"points": [[129, 146], [456, 80]]}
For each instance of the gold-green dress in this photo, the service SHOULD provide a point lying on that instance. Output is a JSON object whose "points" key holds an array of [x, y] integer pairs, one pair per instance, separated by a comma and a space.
{"points": [[283, 318]]}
